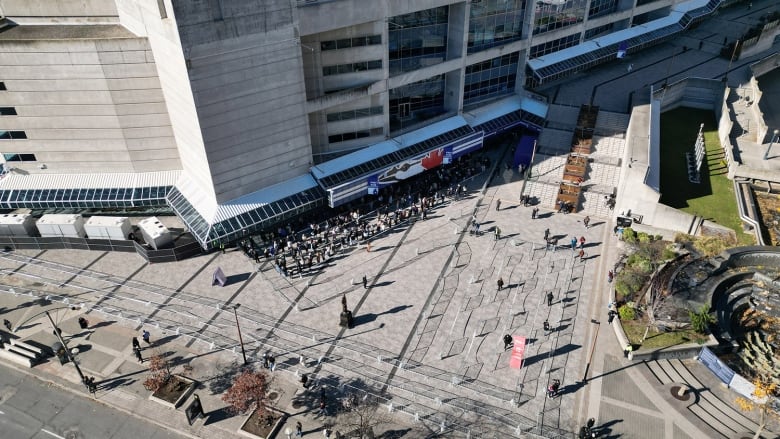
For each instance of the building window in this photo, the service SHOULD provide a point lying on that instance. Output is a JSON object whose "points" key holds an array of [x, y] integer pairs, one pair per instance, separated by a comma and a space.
{"points": [[346, 43], [7, 111], [16, 157], [491, 78], [416, 102], [598, 31], [351, 68], [495, 22], [354, 114], [343, 137], [555, 45], [601, 7], [6, 135], [2, 86], [417, 40], [555, 16]]}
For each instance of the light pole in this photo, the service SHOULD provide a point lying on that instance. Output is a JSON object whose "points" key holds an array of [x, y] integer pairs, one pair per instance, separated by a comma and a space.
{"points": [[67, 350], [774, 139], [240, 340]]}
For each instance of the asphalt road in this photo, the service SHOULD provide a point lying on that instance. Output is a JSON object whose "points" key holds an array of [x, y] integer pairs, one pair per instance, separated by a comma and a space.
{"points": [[32, 409]]}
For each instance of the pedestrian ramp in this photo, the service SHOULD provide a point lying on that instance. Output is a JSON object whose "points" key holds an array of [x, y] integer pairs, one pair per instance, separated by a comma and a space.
{"points": [[710, 408]]}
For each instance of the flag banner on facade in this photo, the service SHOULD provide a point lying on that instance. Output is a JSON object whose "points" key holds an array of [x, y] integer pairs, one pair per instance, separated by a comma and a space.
{"points": [[518, 350], [373, 185], [447, 155], [622, 48]]}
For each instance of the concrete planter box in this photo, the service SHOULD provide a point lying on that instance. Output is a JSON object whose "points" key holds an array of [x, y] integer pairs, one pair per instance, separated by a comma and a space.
{"points": [[683, 351], [274, 429], [189, 387]]}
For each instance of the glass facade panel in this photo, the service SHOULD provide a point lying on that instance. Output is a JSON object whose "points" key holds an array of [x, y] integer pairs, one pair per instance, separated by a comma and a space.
{"points": [[495, 22], [555, 45], [417, 40], [490, 78], [601, 7], [598, 31], [416, 102], [550, 15]]}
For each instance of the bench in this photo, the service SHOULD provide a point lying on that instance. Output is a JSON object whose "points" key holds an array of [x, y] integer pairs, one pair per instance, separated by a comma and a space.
{"points": [[27, 346], [8, 356], [19, 351]]}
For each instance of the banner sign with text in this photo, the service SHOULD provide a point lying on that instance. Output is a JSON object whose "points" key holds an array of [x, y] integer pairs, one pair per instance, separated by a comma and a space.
{"points": [[518, 350], [713, 363]]}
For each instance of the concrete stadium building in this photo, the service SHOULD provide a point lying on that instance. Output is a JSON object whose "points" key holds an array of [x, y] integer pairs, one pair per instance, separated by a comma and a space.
{"points": [[240, 114]]}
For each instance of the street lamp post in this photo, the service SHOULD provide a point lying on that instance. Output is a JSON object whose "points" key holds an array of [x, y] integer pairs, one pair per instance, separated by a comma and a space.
{"points": [[240, 340], [67, 350], [774, 139]]}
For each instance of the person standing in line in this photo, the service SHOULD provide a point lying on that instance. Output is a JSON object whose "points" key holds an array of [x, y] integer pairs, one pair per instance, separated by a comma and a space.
{"points": [[550, 298]]}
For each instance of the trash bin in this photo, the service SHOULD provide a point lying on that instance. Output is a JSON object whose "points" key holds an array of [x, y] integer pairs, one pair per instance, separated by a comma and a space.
{"points": [[59, 352]]}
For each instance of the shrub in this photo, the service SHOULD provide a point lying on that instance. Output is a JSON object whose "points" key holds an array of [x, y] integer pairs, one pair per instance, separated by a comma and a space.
{"points": [[682, 238], [643, 237], [626, 313], [710, 246], [668, 254], [629, 235], [701, 320]]}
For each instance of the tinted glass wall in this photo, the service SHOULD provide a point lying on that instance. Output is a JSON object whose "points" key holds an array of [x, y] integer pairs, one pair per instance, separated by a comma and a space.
{"points": [[554, 14], [417, 40], [495, 22], [416, 102], [491, 78]]}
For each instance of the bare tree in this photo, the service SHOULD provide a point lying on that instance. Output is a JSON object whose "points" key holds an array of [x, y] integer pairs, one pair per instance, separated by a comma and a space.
{"points": [[249, 391], [363, 414], [159, 372]]}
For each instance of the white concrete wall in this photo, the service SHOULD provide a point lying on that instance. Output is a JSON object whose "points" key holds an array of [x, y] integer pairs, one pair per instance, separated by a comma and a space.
{"points": [[31, 11], [144, 18], [86, 106]]}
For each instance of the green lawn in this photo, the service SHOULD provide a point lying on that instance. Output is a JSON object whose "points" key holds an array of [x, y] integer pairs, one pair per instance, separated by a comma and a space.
{"points": [[635, 329], [713, 198]]}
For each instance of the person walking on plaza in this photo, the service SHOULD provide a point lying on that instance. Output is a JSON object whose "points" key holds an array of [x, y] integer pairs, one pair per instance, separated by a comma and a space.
{"points": [[365, 282], [507, 341], [497, 233], [586, 221], [611, 316], [546, 234], [500, 283], [138, 354], [145, 335], [610, 276], [546, 326], [581, 254], [627, 350], [534, 213], [136, 343], [7, 324], [582, 242], [498, 205], [298, 429], [550, 298], [573, 243]]}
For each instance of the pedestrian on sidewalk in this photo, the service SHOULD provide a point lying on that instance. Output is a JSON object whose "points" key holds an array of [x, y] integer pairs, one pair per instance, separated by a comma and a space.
{"points": [[7, 324], [498, 205], [136, 343], [611, 316], [507, 341], [272, 362], [83, 323], [304, 381], [500, 283], [582, 242], [586, 221], [573, 243], [546, 234], [265, 360], [298, 429], [326, 431], [550, 298], [627, 350], [145, 335], [581, 255], [497, 232], [534, 213], [365, 282], [546, 326], [138, 355], [610, 276]]}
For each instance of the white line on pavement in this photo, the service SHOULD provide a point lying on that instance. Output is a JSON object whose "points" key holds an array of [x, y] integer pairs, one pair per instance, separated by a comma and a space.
{"points": [[53, 434]]}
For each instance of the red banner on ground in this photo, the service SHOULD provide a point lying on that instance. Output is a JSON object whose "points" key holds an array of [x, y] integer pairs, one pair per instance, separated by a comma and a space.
{"points": [[518, 349]]}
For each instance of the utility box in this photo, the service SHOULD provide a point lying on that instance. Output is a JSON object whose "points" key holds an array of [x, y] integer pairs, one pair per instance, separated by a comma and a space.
{"points": [[61, 225], [18, 224], [108, 227], [154, 232]]}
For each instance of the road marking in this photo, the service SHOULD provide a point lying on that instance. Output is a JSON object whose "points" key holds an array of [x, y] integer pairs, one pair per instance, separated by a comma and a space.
{"points": [[2, 412], [53, 434]]}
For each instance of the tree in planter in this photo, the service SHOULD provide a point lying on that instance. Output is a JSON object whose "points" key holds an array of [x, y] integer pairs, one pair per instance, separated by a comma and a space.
{"points": [[159, 372], [250, 391], [363, 414]]}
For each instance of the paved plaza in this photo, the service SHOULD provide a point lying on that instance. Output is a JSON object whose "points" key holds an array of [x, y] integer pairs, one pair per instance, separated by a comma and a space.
{"points": [[428, 327]]}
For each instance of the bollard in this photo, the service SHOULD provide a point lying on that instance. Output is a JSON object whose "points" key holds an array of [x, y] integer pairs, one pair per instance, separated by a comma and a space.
{"points": [[417, 251], [456, 230], [416, 417], [437, 400], [471, 279], [314, 338], [379, 359], [319, 360], [211, 347], [178, 330], [441, 427], [390, 407], [301, 360], [297, 308]]}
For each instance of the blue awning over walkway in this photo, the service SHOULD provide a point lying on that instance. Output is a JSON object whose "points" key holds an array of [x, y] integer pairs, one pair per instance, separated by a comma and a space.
{"points": [[501, 116]]}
